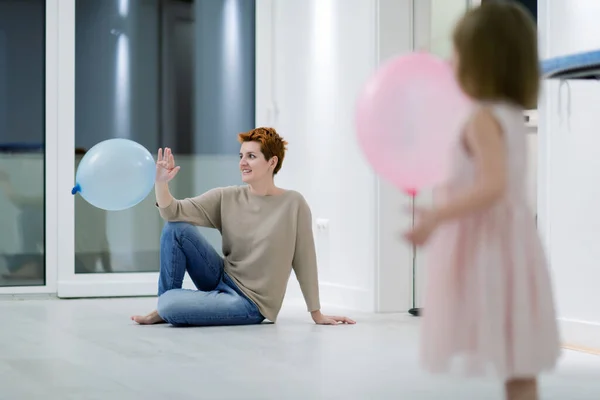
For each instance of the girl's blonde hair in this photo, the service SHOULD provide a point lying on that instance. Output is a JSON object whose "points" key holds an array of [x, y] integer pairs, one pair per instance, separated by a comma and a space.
{"points": [[497, 50]]}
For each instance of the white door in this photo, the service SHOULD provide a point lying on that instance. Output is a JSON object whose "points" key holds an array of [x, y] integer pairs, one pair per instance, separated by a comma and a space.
{"points": [[28, 141], [109, 76]]}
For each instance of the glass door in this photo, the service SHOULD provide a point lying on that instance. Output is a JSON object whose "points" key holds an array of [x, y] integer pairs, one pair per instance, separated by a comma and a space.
{"points": [[28, 133], [109, 79], [130, 69]]}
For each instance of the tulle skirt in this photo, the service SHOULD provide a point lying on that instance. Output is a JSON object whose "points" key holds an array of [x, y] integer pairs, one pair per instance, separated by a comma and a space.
{"points": [[488, 304]]}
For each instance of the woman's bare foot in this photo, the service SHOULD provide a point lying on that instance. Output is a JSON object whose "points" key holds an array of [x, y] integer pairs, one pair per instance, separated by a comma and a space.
{"points": [[150, 319]]}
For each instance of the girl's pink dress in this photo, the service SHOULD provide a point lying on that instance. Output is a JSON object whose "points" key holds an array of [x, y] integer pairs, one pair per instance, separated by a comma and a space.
{"points": [[488, 303]]}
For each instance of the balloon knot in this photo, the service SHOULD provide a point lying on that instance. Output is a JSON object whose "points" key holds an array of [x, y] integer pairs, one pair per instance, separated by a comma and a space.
{"points": [[76, 189], [412, 192]]}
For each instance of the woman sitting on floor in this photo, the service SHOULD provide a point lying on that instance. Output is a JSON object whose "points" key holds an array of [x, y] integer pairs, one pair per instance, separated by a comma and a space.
{"points": [[266, 230]]}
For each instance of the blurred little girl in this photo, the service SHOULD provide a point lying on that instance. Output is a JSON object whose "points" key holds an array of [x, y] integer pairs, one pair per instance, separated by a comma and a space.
{"points": [[489, 299]]}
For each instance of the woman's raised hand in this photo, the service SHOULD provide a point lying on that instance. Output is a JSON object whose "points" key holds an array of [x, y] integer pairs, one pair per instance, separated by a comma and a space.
{"points": [[165, 166]]}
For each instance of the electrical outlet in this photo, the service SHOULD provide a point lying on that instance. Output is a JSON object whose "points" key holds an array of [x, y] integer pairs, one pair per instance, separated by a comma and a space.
{"points": [[322, 224], [322, 244]]}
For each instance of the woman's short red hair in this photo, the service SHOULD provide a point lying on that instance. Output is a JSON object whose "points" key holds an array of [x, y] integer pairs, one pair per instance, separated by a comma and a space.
{"points": [[271, 144]]}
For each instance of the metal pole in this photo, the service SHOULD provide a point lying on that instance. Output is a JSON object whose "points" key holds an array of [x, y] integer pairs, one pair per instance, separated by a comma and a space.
{"points": [[414, 310]]}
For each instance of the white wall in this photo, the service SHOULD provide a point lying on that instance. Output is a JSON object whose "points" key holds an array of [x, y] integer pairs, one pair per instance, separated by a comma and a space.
{"points": [[569, 172], [313, 57]]}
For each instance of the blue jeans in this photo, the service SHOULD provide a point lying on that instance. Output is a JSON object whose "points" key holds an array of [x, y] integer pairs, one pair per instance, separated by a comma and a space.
{"points": [[218, 300]]}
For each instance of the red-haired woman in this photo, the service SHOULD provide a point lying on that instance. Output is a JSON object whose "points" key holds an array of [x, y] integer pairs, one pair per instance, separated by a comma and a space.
{"points": [[266, 231]]}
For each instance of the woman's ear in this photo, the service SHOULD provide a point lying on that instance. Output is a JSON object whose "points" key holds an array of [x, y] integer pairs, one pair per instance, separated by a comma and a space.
{"points": [[273, 162]]}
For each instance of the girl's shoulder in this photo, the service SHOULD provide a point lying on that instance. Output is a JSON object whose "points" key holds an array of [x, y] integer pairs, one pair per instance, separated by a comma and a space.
{"points": [[506, 115], [500, 110]]}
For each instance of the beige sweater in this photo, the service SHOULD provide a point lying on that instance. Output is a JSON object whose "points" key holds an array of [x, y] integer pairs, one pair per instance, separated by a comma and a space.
{"points": [[264, 237]]}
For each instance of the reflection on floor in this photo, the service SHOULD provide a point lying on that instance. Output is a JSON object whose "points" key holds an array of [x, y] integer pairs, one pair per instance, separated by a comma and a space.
{"points": [[88, 349]]}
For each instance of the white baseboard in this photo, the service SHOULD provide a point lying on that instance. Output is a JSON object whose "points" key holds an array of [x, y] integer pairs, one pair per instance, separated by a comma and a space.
{"points": [[582, 335], [336, 296]]}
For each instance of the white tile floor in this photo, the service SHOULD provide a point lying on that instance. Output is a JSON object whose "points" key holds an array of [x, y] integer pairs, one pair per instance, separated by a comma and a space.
{"points": [[88, 349]]}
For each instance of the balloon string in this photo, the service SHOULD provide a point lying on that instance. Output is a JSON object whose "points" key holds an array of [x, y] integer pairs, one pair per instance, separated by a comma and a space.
{"points": [[76, 189], [414, 260]]}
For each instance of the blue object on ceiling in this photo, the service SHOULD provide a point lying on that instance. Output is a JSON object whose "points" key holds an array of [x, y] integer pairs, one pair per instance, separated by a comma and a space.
{"points": [[584, 65]]}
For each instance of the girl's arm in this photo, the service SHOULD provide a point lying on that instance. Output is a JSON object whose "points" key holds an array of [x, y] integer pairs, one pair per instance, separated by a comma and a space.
{"points": [[485, 143]]}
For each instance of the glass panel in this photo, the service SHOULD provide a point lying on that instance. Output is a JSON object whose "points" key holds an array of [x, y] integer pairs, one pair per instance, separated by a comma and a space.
{"points": [[142, 73], [22, 139]]}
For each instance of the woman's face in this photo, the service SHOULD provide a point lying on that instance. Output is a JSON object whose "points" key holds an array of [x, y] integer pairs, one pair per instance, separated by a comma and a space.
{"points": [[253, 165]]}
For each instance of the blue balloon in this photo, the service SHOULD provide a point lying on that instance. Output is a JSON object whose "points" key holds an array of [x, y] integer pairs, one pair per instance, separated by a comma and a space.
{"points": [[115, 174]]}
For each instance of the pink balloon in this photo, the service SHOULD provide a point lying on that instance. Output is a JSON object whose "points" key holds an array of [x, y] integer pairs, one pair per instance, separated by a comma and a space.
{"points": [[409, 116]]}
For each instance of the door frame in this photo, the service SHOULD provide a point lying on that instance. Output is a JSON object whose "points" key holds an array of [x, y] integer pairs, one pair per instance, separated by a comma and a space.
{"points": [[68, 283]]}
